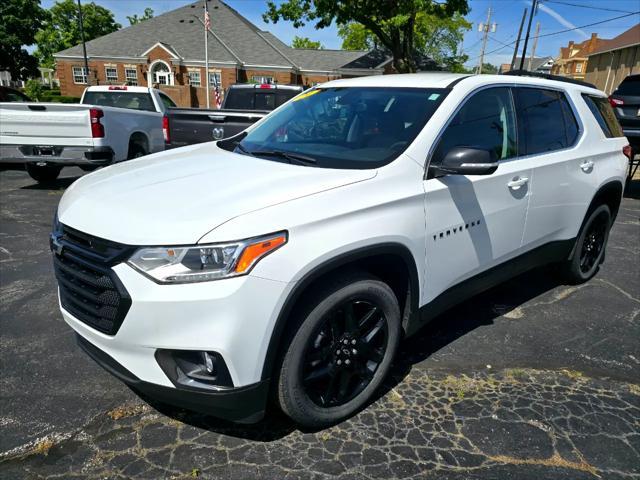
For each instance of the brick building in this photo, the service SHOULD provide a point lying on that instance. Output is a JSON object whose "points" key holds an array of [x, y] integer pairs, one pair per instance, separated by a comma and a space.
{"points": [[168, 50]]}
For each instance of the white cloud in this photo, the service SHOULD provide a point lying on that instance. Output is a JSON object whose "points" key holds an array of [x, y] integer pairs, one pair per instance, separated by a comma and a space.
{"points": [[560, 19]]}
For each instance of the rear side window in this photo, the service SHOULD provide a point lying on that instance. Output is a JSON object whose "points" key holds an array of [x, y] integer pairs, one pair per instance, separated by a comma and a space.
{"points": [[629, 86], [604, 115], [239, 99], [485, 121], [168, 103], [545, 121]]}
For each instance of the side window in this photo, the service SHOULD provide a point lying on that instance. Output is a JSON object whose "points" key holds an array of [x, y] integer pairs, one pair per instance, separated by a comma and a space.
{"points": [[545, 121], [604, 115], [168, 103], [485, 121]]}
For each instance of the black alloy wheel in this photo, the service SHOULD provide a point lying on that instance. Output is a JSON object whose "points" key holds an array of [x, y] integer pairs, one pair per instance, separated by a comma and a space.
{"points": [[348, 332], [590, 246], [344, 353], [594, 242]]}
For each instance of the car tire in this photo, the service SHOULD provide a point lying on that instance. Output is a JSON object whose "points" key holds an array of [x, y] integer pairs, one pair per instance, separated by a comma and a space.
{"points": [[136, 151], [342, 351], [43, 174], [590, 246]]}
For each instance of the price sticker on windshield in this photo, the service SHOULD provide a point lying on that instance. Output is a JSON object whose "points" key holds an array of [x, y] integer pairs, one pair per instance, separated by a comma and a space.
{"points": [[306, 95]]}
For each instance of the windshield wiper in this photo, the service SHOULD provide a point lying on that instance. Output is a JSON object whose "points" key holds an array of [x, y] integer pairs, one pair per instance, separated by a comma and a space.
{"points": [[240, 147], [291, 156]]}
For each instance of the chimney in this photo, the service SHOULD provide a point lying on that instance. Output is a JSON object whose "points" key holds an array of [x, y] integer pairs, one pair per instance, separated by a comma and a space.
{"points": [[570, 45], [594, 36]]}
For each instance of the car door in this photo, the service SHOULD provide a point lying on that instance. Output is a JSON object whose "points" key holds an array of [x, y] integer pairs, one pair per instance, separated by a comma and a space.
{"points": [[474, 222], [564, 175]]}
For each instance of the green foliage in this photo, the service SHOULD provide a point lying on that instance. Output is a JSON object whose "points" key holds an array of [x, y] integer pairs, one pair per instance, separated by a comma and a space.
{"points": [[61, 30], [305, 42], [20, 20], [33, 89], [148, 13], [434, 36], [489, 68], [393, 23]]}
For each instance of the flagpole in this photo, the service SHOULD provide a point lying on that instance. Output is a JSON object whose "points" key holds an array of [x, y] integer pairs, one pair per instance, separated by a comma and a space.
{"points": [[206, 52]]}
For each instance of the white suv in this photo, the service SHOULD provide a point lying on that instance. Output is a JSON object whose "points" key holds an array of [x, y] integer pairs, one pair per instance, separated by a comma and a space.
{"points": [[292, 258]]}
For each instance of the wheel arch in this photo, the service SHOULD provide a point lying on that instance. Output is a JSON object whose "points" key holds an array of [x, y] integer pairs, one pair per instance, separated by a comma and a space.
{"points": [[373, 259], [610, 194], [139, 138]]}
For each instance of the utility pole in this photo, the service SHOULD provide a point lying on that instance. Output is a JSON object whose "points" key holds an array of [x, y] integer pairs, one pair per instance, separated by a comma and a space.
{"points": [[534, 7], [485, 27], [535, 44], [84, 47], [515, 50]]}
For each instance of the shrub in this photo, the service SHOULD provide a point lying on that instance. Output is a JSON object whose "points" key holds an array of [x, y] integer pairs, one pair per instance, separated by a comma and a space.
{"points": [[34, 89]]}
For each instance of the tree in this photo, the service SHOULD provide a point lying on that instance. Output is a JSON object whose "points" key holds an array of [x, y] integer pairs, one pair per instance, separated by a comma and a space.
{"points": [[61, 30], [489, 68], [434, 36], [20, 20], [392, 22], [135, 19], [305, 42]]}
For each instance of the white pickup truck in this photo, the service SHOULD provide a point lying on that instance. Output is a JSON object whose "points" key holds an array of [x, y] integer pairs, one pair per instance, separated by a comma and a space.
{"points": [[111, 124]]}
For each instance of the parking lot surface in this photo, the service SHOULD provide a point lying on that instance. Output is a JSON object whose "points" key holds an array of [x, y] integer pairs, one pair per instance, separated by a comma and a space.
{"points": [[531, 380]]}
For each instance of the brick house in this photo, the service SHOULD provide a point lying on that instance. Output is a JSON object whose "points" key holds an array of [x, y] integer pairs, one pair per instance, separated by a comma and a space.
{"points": [[572, 61], [168, 50]]}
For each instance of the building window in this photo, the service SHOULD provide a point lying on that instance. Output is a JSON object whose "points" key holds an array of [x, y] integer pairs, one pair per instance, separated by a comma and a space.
{"points": [[79, 75], [215, 78], [578, 67], [111, 74], [131, 76], [194, 79], [261, 79], [161, 74]]}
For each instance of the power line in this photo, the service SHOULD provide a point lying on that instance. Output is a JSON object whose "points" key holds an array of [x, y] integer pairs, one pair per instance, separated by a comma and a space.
{"points": [[587, 6], [559, 32]]}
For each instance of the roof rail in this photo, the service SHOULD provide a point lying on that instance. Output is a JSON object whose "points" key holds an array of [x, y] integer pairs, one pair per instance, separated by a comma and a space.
{"points": [[548, 76]]}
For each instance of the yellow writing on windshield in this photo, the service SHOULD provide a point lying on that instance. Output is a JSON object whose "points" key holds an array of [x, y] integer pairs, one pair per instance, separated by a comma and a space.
{"points": [[306, 95]]}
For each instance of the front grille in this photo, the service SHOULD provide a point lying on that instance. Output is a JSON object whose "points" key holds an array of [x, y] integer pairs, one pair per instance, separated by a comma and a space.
{"points": [[89, 288]]}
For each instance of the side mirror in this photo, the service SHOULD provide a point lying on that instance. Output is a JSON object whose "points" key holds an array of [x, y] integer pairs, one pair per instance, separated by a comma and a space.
{"points": [[468, 161]]}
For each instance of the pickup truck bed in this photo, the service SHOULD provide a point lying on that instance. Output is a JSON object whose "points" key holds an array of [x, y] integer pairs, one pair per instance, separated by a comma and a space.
{"points": [[244, 104]]}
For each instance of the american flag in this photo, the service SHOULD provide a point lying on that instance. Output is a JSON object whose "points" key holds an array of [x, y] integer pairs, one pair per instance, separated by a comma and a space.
{"points": [[216, 91], [207, 19]]}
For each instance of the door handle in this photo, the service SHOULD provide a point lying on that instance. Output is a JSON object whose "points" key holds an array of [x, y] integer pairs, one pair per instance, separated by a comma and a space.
{"points": [[517, 182], [587, 166]]}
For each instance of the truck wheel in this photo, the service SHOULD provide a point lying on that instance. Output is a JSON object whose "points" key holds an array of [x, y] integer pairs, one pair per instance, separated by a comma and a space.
{"points": [[342, 351], [136, 151], [43, 174], [590, 246]]}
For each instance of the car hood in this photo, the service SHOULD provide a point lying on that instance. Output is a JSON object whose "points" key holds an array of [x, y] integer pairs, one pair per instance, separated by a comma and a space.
{"points": [[176, 197]]}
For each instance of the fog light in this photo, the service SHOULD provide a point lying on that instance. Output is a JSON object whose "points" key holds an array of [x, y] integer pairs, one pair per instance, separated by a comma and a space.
{"points": [[208, 362], [196, 369]]}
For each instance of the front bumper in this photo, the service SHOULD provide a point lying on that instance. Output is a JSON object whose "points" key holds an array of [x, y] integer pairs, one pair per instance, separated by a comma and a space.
{"points": [[243, 404], [233, 318], [56, 155]]}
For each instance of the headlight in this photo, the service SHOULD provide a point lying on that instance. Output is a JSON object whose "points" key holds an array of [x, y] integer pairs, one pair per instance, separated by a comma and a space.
{"points": [[200, 263]]}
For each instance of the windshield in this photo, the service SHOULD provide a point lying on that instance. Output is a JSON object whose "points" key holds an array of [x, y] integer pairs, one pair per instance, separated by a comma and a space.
{"points": [[356, 127]]}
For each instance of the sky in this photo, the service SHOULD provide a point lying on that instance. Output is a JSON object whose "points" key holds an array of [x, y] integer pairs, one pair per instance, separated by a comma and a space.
{"points": [[553, 15]]}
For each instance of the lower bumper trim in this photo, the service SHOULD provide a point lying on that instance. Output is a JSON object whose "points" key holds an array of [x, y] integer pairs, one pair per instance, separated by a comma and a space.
{"points": [[240, 404]]}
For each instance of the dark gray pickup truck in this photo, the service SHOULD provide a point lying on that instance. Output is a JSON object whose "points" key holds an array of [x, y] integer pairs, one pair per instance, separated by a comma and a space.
{"points": [[244, 104]]}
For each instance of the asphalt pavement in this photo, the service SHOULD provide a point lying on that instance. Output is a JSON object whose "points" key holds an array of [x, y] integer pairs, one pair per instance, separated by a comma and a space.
{"points": [[531, 380]]}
